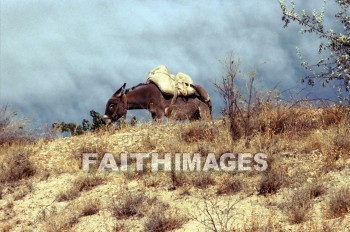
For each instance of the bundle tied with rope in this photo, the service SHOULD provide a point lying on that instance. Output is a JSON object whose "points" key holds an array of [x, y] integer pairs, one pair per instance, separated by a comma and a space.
{"points": [[180, 84], [169, 83]]}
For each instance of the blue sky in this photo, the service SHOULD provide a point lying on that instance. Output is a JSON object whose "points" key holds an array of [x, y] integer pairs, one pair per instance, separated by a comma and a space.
{"points": [[61, 59]]}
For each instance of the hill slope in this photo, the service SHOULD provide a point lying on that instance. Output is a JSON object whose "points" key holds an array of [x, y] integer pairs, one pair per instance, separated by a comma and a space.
{"points": [[305, 187]]}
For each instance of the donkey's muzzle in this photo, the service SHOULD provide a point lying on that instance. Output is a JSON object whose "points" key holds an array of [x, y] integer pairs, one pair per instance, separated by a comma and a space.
{"points": [[107, 119]]}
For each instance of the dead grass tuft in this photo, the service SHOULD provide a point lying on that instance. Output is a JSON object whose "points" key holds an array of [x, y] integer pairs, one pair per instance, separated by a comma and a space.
{"points": [[230, 186], [332, 115], [316, 190], [15, 163], [90, 207], [82, 183], [271, 181], [179, 179], [339, 203], [202, 180], [70, 215], [198, 132], [299, 206], [342, 142], [127, 204], [161, 219]]}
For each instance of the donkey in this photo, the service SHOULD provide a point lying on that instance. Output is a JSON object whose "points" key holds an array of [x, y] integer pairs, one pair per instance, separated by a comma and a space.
{"points": [[149, 96]]}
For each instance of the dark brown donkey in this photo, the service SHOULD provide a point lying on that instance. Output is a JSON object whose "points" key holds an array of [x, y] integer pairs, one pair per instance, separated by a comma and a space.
{"points": [[149, 96]]}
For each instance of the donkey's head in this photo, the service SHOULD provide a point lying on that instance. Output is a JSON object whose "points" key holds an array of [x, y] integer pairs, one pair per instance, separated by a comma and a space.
{"points": [[116, 106]]}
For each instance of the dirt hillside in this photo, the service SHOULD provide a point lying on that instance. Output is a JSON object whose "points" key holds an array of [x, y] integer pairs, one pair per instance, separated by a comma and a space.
{"points": [[305, 188]]}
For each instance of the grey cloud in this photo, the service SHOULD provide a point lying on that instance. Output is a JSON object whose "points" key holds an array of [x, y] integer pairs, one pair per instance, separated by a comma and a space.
{"points": [[61, 59]]}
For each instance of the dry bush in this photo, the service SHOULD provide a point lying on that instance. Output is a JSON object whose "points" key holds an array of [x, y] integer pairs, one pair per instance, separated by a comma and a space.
{"points": [[272, 180], [215, 214], [261, 223], [127, 204], [15, 163], [87, 182], [339, 203], [197, 132], [270, 183], [67, 195], [230, 186], [275, 117], [342, 142], [316, 189], [202, 180], [13, 130], [179, 179], [82, 183], [312, 145], [152, 180], [250, 112], [89, 207], [299, 206], [160, 219], [69, 216], [59, 221], [332, 115], [330, 162]]}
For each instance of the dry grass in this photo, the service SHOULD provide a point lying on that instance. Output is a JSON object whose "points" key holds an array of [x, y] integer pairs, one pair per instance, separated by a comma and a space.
{"points": [[22, 191], [89, 206], [15, 143], [12, 129], [230, 186], [196, 133], [272, 180], [160, 219], [82, 183], [61, 222], [202, 180], [339, 203], [304, 143], [70, 215], [299, 207], [98, 146], [127, 204], [15, 163], [316, 189], [179, 179]]}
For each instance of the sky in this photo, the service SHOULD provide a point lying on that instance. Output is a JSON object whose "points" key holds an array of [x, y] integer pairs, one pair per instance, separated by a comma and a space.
{"points": [[61, 59]]}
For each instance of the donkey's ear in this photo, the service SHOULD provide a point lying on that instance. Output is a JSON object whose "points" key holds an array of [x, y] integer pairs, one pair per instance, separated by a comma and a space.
{"points": [[119, 91]]}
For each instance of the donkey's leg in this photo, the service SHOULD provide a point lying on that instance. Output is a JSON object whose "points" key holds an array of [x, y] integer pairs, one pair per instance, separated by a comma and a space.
{"points": [[157, 114], [204, 112]]}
